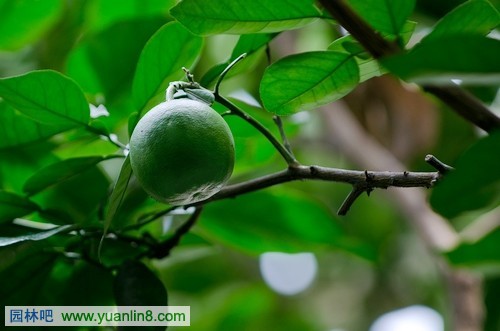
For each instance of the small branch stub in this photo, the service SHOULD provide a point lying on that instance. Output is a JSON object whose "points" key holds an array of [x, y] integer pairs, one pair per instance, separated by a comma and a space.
{"points": [[440, 166], [349, 200]]}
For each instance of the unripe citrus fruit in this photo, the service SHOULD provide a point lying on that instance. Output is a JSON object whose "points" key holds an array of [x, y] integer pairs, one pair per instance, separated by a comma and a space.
{"points": [[182, 152]]}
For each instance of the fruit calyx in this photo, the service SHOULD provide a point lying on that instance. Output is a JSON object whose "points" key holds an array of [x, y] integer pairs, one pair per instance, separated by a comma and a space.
{"points": [[189, 90]]}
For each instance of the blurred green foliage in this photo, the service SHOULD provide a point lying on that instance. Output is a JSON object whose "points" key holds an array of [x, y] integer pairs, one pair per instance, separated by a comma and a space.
{"points": [[58, 166]]}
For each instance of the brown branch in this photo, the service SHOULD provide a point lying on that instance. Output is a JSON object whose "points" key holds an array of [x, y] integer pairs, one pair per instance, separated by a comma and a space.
{"points": [[371, 40], [162, 250], [461, 102], [363, 181], [467, 106], [344, 131]]}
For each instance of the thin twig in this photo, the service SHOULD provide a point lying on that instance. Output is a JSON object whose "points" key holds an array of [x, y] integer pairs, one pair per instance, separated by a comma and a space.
{"points": [[148, 219], [163, 249], [289, 158], [223, 74], [461, 102], [111, 138], [279, 123], [285, 152]]}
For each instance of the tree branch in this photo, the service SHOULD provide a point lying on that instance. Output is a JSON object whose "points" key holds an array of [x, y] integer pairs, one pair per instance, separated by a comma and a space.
{"points": [[466, 105], [147, 219], [373, 41], [461, 102], [163, 249], [361, 180], [285, 153]]}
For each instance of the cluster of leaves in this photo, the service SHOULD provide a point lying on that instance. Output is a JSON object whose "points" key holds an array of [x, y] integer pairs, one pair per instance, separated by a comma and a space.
{"points": [[59, 163]]}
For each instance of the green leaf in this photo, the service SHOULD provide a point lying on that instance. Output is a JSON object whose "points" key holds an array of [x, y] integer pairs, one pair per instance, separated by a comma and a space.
{"points": [[78, 283], [207, 17], [307, 80], [388, 16], [169, 49], [4, 241], [474, 16], [19, 163], [26, 266], [116, 198], [48, 97], [24, 22], [471, 58], [368, 66], [136, 285], [13, 206], [283, 223], [60, 171], [484, 251], [109, 12], [104, 63], [76, 200], [249, 44], [474, 184], [348, 44], [17, 129]]}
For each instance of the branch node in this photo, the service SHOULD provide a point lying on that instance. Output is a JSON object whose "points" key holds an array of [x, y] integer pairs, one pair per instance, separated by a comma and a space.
{"points": [[313, 170], [369, 176]]}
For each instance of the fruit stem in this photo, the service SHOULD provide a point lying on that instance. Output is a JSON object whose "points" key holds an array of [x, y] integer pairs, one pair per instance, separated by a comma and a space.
{"points": [[285, 153]]}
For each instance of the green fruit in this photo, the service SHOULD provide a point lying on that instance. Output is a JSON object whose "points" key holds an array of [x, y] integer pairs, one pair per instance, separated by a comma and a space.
{"points": [[182, 152]]}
